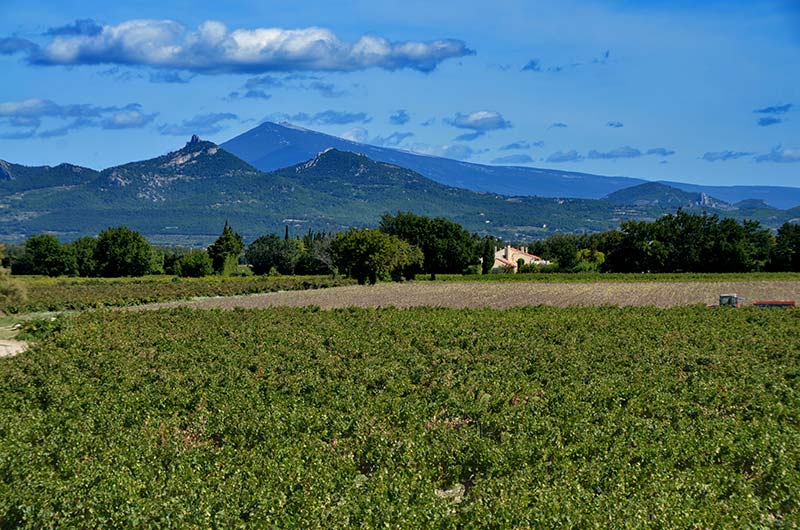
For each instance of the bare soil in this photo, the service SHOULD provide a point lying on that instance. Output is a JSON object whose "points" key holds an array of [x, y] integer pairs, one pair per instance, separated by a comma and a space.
{"points": [[9, 348], [503, 295]]}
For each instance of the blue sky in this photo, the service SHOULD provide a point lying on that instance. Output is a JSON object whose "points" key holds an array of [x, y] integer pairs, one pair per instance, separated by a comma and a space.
{"points": [[704, 92]]}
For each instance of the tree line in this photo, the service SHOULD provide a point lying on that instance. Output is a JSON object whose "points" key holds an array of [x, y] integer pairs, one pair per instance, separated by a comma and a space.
{"points": [[680, 242], [406, 245]]}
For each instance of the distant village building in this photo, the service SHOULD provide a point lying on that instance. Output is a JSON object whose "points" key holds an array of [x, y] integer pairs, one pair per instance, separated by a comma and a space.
{"points": [[508, 258]]}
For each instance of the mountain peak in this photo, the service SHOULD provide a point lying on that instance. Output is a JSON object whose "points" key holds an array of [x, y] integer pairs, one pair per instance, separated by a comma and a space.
{"points": [[5, 171], [664, 195], [193, 140]]}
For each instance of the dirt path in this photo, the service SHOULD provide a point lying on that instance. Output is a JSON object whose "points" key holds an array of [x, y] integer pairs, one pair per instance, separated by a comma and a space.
{"points": [[9, 348], [503, 295]]}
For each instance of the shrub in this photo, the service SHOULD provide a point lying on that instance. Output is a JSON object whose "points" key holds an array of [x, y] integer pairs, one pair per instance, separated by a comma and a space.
{"points": [[195, 264]]}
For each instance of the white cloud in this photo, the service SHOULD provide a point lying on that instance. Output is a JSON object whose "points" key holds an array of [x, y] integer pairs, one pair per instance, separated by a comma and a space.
{"points": [[214, 48], [483, 120]]}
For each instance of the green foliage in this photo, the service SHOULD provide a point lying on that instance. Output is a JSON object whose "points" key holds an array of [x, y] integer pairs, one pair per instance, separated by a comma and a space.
{"points": [[368, 254], [84, 249], [488, 249], [13, 294], [270, 251], [686, 242], [564, 250], [446, 246], [422, 418], [225, 251], [589, 260], [787, 248], [49, 294], [121, 251], [44, 254], [195, 264]]}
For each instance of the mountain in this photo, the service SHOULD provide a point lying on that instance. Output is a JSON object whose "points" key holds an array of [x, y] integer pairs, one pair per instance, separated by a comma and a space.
{"points": [[659, 194], [359, 190], [781, 197], [15, 178], [185, 197], [272, 146]]}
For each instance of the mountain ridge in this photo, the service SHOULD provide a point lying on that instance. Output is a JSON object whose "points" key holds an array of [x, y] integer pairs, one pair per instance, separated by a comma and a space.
{"points": [[184, 196], [271, 146]]}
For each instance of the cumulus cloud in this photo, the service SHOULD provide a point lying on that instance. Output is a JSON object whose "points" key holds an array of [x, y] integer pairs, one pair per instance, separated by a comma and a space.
{"points": [[326, 117], [453, 151], [361, 135], [780, 155], [564, 156], [400, 117], [167, 76], [202, 124], [253, 93], [12, 45], [256, 85], [358, 134], [393, 140], [615, 124], [214, 48], [775, 109], [468, 137], [428, 122], [660, 151], [482, 120], [127, 119], [625, 151], [722, 156], [513, 159], [30, 113], [534, 65], [521, 144], [86, 26], [766, 121]]}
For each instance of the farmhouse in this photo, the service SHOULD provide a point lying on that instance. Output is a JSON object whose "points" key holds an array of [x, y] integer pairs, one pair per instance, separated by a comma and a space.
{"points": [[508, 258]]}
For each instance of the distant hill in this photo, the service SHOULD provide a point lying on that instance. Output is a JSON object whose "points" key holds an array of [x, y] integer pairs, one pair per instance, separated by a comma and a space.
{"points": [[184, 197], [781, 197], [15, 178], [662, 195], [271, 146]]}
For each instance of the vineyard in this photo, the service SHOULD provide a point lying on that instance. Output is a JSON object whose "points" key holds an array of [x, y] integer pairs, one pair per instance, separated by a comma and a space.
{"points": [[505, 294], [406, 418], [56, 294]]}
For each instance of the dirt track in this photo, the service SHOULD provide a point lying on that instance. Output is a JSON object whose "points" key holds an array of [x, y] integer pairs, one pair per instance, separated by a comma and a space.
{"points": [[505, 294]]}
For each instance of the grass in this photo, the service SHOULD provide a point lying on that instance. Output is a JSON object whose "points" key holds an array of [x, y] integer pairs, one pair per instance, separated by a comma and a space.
{"points": [[420, 418]]}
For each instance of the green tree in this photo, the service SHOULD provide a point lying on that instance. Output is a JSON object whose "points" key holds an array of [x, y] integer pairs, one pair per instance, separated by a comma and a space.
{"points": [[563, 248], [446, 246], [84, 249], [44, 254], [366, 255], [786, 256], [487, 255], [590, 260], [195, 264], [270, 251], [121, 251], [224, 252]]}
